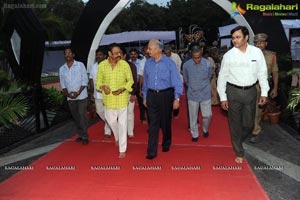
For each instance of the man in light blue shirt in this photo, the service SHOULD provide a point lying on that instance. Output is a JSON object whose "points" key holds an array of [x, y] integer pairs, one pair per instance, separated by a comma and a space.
{"points": [[74, 82], [197, 73]]}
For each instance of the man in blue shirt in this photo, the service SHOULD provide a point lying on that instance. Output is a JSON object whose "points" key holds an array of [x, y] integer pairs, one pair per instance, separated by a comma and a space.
{"points": [[162, 88], [197, 73], [74, 81]]}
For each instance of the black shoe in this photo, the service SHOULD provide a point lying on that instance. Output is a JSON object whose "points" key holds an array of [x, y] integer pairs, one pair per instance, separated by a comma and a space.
{"points": [[150, 157], [205, 134], [253, 139], [79, 139], [195, 139], [165, 149], [85, 141]]}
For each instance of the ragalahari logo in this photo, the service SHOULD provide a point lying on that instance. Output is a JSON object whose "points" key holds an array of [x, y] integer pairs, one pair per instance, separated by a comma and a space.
{"points": [[236, 10]]}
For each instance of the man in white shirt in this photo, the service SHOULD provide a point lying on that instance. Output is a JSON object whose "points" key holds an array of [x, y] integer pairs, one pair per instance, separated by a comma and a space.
{"points": [[100, 56], [133, 54], [241, 68], [74, 81], [141, 69], [176, 58]]}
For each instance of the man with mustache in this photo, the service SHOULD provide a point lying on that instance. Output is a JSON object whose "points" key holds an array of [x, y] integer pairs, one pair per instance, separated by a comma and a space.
{"points": [[74, 82], [115, 80], [261, 41]]}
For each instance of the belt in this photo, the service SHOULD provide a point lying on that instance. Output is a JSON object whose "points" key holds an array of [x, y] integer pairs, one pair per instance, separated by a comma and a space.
{"points": [[241, 87], [159, 91]]}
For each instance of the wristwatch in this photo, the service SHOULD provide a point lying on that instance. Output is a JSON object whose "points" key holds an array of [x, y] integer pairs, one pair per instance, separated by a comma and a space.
{"points": [[177, 99]]}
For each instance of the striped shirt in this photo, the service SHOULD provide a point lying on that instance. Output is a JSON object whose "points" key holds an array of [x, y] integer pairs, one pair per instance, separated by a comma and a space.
{"points": [[115, 78]]}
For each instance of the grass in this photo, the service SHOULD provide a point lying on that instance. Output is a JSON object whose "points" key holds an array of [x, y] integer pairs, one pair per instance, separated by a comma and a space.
{"points": [[50, 79]]}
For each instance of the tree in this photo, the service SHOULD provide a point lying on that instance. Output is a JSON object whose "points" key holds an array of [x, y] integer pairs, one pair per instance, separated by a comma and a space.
{"points": [[141, 15], [59, 17]]}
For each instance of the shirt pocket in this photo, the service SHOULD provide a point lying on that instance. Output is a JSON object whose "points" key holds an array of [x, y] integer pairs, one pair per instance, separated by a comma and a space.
{"points": [[254, 66], [204, 73]]}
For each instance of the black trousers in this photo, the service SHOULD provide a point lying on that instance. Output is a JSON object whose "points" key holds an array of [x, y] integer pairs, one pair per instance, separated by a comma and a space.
{"points": [[78, 110], [160, 106], [241, 115], [141, 105]]}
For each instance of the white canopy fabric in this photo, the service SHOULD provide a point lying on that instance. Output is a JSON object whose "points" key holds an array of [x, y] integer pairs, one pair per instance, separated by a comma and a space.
{"points": [[133, 36], [124, 37], [289, 24], [225, 30]]}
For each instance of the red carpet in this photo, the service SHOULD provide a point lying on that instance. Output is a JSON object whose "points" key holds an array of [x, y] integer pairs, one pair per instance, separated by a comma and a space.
{"points": [[203, 170]]}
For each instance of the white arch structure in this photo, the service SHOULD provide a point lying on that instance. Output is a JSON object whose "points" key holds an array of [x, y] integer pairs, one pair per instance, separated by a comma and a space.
{"points": [[225, 4]]}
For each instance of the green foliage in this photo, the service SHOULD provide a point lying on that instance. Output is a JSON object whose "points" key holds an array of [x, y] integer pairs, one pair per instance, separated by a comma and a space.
{"points": [[59, 17], [50, 79], [294, 99], [13, 105], [141, 15], [54, 96], [293, 71], [54, 26]]}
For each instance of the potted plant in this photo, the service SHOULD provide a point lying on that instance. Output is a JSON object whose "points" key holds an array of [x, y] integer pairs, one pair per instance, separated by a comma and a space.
{"points": [[273, 111]]}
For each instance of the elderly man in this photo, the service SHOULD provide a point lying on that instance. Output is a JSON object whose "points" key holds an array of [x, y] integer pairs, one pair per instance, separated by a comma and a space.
{"points": [[162, 88], [197, 73]]}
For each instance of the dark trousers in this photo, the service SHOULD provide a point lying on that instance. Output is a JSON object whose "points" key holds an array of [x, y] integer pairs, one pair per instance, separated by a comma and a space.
{"points": [[160, 106], [141, 105], [176, 112], [241, 115], [78, 110]]}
